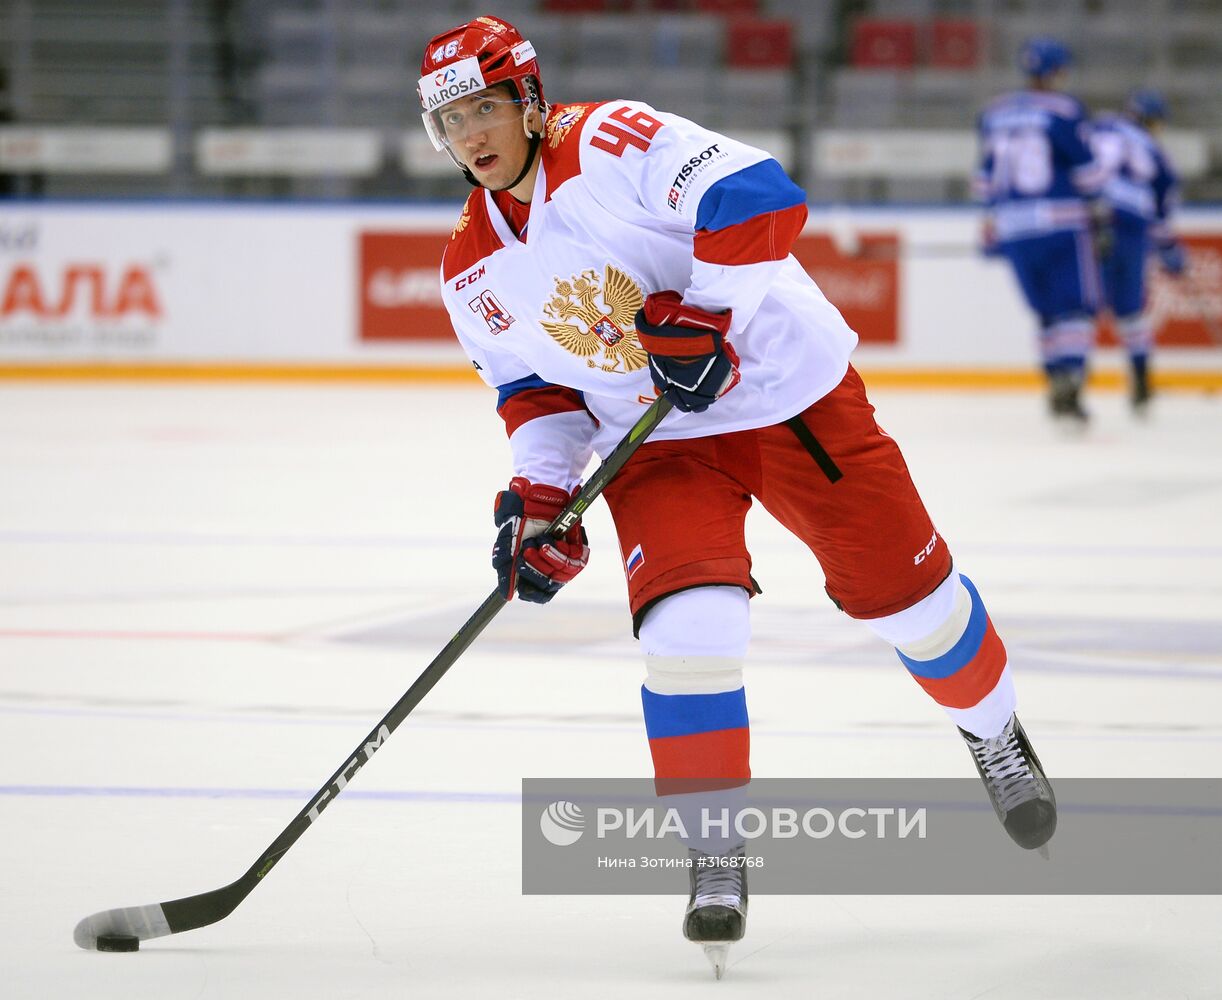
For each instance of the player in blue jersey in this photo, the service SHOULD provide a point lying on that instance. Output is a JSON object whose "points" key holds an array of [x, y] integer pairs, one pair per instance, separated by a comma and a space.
{"points": [[1142, 190], [1039, 180]]}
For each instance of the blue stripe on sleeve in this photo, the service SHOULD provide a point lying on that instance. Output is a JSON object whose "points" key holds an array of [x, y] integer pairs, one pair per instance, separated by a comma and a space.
{"points": [[756, 190], [686, 714], [961, 653]]}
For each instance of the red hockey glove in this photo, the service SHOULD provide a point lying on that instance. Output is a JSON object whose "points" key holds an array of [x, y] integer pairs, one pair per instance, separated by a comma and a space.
{"points": [[528, 565], [691, 362]]}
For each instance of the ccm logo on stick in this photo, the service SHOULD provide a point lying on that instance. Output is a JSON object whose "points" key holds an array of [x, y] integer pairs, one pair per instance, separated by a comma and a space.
{"points": [[346, 773]]}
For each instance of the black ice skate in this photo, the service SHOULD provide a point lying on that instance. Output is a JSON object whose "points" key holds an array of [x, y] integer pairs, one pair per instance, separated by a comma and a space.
{"points": [[716, 913], [1021, 793], [1065, 399], [1139, 395]]}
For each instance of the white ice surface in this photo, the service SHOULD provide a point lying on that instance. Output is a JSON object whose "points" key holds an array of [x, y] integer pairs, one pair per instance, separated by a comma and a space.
{"points": [[208, 595]]}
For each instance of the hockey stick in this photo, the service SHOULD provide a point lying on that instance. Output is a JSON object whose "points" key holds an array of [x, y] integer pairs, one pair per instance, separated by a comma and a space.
{"points": [[124, 928]]}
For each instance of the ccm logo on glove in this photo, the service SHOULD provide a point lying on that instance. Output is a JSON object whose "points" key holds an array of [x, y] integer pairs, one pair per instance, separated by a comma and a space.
{"points": [[692, 363]]}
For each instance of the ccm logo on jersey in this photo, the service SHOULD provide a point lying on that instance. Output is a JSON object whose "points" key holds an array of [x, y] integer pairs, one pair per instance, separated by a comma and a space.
{"points": [[921, 556], [675, 197], [466, 280]]}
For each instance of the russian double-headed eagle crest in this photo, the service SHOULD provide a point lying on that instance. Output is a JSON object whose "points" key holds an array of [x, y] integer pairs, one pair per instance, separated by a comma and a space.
{"points": [[608, 330], [561, 121]]}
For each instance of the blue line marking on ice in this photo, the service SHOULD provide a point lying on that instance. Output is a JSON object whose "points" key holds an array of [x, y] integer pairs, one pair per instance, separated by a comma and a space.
{"points": [[509, 798]]}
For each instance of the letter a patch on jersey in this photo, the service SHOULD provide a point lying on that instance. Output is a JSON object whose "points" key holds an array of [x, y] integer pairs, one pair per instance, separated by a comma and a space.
{"points": [[495, 315]]}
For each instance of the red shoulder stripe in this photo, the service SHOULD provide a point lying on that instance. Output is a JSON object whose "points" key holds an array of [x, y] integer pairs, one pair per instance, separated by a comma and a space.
{"points": [[524, 406], [764, 237]]}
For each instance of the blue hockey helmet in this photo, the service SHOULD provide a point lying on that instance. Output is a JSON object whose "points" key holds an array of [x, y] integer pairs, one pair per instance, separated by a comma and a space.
{"points": [[1146, 105], [1043, 56]]}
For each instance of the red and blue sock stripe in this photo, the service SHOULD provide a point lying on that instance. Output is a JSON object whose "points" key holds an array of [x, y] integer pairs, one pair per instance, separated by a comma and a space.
{"points": [[963, 675], [698, 741]]}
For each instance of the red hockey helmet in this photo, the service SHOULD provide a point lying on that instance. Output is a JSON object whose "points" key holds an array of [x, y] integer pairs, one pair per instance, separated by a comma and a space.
{"points": [[470, 58]]}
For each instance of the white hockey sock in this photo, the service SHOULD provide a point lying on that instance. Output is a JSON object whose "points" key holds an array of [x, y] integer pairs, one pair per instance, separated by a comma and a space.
{"points": [[695, 708], [948, 644]]}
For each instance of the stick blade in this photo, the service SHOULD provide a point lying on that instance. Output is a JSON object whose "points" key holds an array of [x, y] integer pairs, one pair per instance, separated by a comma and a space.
{"points": [[141, 922]]}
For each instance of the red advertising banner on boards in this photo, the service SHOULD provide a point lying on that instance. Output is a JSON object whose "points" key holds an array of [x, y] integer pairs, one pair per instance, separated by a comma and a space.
{"points": [[1185, 311], [400, 299], [400, 294], [863, 285]]}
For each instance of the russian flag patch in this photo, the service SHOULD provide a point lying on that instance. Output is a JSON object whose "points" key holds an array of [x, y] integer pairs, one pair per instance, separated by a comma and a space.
{"points": [[635, 560]]}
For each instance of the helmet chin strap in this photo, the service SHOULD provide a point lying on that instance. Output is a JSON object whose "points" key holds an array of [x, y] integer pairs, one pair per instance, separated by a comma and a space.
{"points": [[531, 153]]}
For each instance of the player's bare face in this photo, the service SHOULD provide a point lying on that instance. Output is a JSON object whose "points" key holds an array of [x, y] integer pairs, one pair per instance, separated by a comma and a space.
{"points": [[485, 132]]}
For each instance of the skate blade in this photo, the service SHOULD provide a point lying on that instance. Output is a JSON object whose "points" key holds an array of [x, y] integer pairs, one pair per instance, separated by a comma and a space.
{"points": [[717, 952]]}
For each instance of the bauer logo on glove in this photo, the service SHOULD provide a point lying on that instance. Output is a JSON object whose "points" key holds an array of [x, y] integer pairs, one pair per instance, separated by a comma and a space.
{"points": [[528, 563], [692, 363]]}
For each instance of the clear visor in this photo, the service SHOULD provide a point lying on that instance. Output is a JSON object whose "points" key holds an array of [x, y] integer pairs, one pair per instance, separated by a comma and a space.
{"points": [[455, 122]]}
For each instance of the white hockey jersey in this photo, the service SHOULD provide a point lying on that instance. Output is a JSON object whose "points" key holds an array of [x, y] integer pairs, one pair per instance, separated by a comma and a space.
{"points": [[630, 201]]}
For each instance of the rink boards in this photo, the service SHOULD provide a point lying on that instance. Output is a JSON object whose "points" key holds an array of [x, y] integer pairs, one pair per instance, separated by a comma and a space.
{"points": [[350, 291]]}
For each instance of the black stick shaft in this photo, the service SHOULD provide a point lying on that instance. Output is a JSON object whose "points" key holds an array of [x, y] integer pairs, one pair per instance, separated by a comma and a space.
{"points": [[206, 908]]}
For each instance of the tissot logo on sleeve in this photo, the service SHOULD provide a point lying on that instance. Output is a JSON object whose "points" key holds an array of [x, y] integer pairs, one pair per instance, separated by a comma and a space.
{"points": [[676, 195]]}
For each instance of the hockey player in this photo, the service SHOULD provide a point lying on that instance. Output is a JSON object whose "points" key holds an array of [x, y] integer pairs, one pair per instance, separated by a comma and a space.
{"points": [[609, 252], [1141, 189], [1040, 184]]}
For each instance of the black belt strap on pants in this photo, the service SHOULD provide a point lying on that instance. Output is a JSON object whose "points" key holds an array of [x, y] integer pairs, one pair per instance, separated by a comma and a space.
{"points": [[816, 450]]}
